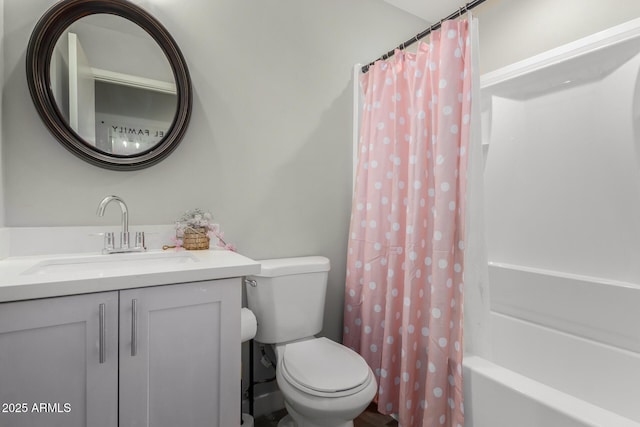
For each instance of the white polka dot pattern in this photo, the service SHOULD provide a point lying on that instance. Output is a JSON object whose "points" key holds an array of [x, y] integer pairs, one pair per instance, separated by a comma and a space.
{"points": [[406, 247]]}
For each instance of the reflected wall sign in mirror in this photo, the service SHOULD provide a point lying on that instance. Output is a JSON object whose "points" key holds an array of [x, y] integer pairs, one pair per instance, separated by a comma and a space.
{"points": [[109, 82]]}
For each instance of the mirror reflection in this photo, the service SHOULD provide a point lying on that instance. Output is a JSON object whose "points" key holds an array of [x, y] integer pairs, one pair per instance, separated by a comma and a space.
{"points": [[113, 84]]}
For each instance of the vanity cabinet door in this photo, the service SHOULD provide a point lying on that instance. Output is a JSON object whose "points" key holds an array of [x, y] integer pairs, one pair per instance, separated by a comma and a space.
{"points": [[59, 362], [180, 355]]}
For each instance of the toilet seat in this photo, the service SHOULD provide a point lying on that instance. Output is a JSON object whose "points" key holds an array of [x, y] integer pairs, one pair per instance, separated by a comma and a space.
{"points": [[324, 368]]}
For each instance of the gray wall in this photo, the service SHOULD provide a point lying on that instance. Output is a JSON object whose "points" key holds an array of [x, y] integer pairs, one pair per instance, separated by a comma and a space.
{"points": [[513, 30], [268, 150], [2, 161]]}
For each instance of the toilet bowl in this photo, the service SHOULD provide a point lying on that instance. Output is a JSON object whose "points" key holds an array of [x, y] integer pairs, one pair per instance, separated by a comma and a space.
{"points": [[324, 384]]}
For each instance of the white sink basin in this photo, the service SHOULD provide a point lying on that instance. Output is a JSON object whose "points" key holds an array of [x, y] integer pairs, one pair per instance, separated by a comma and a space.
{"points": [[105, 264]]}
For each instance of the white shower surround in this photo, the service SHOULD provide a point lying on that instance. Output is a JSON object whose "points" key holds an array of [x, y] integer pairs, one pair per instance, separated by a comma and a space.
{"points": [[563, 225]]}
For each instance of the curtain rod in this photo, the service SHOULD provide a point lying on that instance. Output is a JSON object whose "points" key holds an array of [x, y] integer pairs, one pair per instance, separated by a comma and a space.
{"points": [[464, 9]]}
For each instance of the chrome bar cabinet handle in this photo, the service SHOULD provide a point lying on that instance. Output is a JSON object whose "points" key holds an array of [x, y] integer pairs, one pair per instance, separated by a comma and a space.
{"points": [[134, 327], [102, 346]]}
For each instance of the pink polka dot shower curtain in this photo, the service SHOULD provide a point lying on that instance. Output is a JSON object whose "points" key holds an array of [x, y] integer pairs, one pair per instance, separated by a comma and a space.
{"points": [[403, 303]]}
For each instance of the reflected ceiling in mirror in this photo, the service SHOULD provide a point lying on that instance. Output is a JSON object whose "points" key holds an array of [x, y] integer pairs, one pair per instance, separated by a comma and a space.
{"points": [[109, 82]]}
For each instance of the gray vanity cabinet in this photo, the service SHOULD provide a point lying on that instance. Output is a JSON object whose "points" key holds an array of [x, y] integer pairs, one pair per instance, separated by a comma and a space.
{"points": [[181, 367], [161, 356], [59, 362]]}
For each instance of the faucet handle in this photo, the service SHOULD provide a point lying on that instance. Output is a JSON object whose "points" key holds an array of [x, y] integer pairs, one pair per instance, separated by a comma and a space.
{"points": [[108, 241], [124, 240], [139, 242]]}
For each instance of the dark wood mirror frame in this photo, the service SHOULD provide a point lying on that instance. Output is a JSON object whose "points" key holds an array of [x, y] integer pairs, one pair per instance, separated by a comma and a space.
{"points": [[38, 58]]}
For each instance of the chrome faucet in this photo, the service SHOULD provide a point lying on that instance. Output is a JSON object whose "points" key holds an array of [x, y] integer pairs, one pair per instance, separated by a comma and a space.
{"points": [[125, 246]]}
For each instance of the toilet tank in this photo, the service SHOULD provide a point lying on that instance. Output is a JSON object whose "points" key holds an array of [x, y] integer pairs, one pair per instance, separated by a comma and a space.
{"points": [[288, 298]]}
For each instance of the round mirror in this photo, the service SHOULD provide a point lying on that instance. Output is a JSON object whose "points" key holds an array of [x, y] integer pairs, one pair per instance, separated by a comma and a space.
{"points": [[109, 82]]}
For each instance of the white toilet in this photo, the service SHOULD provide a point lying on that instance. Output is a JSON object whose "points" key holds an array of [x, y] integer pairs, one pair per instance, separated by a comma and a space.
{"points": [[324, 384]]}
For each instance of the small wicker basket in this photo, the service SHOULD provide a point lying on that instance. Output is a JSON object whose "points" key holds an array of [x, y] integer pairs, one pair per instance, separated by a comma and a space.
{"points": [[195, 238]]}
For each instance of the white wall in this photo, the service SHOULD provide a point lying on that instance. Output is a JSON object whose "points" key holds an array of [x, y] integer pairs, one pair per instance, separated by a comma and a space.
{"points": [[268, 149], [562, 176]]}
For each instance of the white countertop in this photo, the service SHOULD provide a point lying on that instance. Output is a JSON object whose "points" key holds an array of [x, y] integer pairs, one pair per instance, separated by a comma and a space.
{"points": [[41, 276]]}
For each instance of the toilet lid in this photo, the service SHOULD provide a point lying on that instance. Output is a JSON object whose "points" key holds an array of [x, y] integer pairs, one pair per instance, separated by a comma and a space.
{"points": [[323, 365]]}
